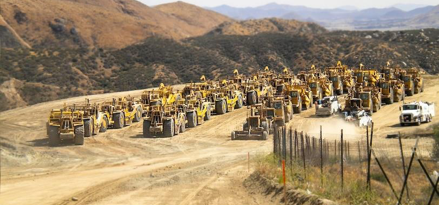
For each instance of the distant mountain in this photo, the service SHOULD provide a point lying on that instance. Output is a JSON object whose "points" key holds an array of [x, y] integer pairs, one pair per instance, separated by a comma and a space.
{"points": [[429, 19], [409, 7], [339, 18]]}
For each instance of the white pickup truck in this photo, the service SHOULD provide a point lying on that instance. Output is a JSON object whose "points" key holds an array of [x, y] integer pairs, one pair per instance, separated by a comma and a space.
{"points": [[327, 106], [416, 113]]}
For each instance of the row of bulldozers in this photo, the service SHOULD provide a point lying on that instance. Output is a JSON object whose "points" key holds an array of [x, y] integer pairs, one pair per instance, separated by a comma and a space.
{"points": [[271, 98], [77, 121]]}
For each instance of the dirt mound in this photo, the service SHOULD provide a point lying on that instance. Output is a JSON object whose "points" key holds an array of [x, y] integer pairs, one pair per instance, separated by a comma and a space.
{"points": [[258, 184]]}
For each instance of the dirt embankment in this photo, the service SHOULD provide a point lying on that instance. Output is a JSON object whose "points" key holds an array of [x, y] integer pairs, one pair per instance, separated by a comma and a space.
{"points": [[258, 184]]}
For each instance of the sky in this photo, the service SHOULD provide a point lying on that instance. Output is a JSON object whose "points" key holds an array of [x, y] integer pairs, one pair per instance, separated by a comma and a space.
{"points": [[309, 3]]}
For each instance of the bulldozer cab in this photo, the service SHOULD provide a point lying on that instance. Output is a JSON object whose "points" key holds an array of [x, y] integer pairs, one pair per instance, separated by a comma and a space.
{"points": [[295, 96], [366, 99], [280, 89]]}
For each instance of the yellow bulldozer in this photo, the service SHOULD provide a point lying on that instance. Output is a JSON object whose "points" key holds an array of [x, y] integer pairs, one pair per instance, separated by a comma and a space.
{"points": [[341, 78], [227, 99], [366, 77], [392, 90], [257, 125], [164, 95], [301, 97], [198, 110], [371, 99], [413, 81], [65, 124], [165, 120], [123, 111], [76, 122]]}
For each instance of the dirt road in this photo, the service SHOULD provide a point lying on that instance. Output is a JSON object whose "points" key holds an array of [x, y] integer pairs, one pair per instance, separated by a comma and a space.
{"points": [[200, 166]]}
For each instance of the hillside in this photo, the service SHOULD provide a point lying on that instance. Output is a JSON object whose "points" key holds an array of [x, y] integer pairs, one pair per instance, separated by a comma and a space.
{"points": [[43, 74], [100, 23], [273, 25]]}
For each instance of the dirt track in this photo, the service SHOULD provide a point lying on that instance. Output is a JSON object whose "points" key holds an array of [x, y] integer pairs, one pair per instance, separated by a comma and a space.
{"points": [[200, 166]]}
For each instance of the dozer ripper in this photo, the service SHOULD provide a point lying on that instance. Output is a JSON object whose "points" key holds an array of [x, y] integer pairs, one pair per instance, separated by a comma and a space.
{"points": [[256, 127], [165, 120], [413, 81]]}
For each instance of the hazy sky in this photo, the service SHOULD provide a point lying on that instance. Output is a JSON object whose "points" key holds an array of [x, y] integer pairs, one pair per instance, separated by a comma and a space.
{"points": [[310, 3]]}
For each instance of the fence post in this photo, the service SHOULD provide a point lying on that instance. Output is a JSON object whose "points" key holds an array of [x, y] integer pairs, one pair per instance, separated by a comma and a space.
{"points": [[274, 141], [403, 161], [368, 158], [341, 158], [303, 154], [284, 142], [296, 145], [408, 170], [291, 147], [321, 156]]}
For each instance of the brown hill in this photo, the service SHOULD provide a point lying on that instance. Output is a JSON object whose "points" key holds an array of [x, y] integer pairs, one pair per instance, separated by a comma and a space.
{"points": [[101, 23], [272, 25], [193, 15], [430, 19]]}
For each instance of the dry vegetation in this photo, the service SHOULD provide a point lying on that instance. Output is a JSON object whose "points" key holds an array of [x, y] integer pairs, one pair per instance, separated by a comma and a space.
{"points": [[355, 190]]}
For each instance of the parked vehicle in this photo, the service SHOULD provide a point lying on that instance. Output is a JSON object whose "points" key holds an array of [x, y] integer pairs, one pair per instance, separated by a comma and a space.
{"points": [[327, 106], [416, 113]]}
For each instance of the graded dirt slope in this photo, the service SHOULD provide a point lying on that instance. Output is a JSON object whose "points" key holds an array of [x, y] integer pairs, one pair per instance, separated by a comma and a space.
{"points": [[200, 166]]}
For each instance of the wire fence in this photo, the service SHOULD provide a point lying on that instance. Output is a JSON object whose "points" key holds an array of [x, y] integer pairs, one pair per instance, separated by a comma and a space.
{"points": [[390, 162]]}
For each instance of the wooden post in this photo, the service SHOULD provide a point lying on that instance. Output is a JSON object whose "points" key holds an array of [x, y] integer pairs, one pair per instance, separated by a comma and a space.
{"points": [[296, 145], [291, 148], [303, 154], [321, 156], [285, 181], [403, 161], [341, 158], [275, 142], [284, 142], [368, 158]]}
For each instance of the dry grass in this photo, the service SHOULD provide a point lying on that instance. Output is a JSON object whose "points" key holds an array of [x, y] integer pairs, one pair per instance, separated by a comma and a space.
{"points": [[354, 190]]}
